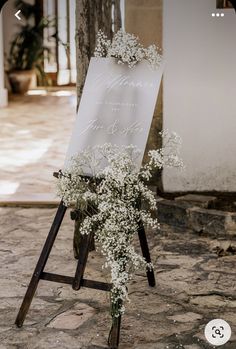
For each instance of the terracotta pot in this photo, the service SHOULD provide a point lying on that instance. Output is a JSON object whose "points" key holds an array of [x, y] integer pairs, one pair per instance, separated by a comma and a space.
{"points": [[21, 80]]}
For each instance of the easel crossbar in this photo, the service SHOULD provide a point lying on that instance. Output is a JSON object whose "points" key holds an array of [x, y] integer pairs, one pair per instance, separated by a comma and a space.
{"points": [[97, 285]]}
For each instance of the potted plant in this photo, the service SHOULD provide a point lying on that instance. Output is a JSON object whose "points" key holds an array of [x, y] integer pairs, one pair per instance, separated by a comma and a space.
{"points": [[26, 56]]}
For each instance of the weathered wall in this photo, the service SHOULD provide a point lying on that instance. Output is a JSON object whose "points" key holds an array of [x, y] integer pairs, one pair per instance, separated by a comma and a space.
{"points": [[199, 94], [144, 18], [3, 91], [10, 28], [10, 23]]}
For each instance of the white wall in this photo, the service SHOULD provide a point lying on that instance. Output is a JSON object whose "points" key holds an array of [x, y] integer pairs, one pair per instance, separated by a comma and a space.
{"points": [[200, 94]]}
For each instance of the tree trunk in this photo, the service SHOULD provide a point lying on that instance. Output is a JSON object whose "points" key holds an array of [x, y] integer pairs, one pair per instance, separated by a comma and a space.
{"points": [[82, 43], [117, 16], [107, 18], [91, 15]]}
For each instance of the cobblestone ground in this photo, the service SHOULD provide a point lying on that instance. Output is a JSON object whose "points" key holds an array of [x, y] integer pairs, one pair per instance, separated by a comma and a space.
{"points": [[194, 285]]}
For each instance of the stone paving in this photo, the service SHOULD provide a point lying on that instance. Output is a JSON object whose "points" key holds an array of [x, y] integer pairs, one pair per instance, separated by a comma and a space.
{"points": [[194, 285], [34, 135]]}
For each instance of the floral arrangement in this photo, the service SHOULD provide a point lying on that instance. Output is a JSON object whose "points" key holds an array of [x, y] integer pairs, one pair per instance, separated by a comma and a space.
{"points": [[127, 49], [111, 199]]}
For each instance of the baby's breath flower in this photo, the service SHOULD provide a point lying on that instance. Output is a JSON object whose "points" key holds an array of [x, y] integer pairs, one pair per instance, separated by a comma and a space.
{"points": [[115, 193], [102, 45], [127, 49]]}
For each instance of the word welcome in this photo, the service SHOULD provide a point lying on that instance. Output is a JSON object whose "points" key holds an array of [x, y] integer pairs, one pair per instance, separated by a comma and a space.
{"points": [[121, 80]]}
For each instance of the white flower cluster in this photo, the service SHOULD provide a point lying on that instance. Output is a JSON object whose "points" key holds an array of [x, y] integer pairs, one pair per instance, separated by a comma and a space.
{"points": [[167, 156], [127, 49], [115, 195]]}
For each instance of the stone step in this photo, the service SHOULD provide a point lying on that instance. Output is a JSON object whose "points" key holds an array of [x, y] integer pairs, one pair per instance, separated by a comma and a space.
{"points": [[186, 214], [198, 200], [29, 200]]}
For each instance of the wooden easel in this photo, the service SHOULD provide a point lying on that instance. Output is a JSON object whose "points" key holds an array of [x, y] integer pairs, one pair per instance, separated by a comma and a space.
{"points": [[78, 280]]}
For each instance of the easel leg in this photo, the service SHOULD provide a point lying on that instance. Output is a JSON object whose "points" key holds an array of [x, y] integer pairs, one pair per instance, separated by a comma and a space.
{"points": [[40, 265], [78, 216], [85, 241], [146, 253], [114, 335]]}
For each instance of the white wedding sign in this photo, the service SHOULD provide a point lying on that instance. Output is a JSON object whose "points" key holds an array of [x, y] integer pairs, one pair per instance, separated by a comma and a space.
{"points": [[116, 106]]}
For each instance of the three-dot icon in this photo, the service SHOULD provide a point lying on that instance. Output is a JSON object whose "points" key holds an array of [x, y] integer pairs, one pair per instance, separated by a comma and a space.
{"points": [[217, 14]]}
